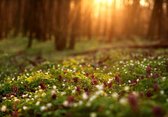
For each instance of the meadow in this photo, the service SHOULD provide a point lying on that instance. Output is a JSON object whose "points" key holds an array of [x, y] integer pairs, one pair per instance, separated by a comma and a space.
{"points": [[78, 83]]}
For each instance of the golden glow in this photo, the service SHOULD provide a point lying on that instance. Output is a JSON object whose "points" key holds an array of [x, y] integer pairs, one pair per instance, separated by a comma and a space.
{"points": [[103, 1], [144, 3]]}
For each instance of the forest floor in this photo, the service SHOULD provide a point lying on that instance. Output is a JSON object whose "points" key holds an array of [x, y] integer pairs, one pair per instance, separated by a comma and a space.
{"points": [[120, 82]]}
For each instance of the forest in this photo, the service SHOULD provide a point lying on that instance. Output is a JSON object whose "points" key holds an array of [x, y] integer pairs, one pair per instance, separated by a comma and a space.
{"points": [[84, 58]]}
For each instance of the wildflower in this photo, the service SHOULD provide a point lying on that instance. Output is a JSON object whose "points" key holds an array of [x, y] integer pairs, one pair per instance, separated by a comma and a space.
{"points": [[157, 111], [84, 96], [37, 103], [53, 94], [80, 102], [43, 108], [155, 75], [133, 101], [78, 89], [164, 78], [65, 103], [54, 87], [93, 114], [15, 114], [24, 107], [4, 98], [63, 93], [117, 79], [94, 81], [3, 108], [99, 87], [42, 85], [126, 88], [162, 92], [73, 91], [70, 99], [123, 101], [115, 95], [155, 87], [16, 99], [88, 104], [75, 79], [149, 93], [49, 105], [148, 70]]}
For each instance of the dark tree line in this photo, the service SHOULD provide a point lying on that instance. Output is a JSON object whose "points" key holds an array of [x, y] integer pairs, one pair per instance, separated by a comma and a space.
{"points": [[41, 19]]}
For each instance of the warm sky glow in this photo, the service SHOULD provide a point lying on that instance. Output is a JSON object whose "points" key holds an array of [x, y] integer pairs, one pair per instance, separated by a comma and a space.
{"points": [[103, 1], [144, 3]]}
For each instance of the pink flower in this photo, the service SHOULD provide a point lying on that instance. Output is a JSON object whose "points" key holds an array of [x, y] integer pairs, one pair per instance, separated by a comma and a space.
{"points": [[149, 93], [117, 79], [156, 87], [75, 79], [94, 81], [70, 99], [157, 111], [133, 101]]}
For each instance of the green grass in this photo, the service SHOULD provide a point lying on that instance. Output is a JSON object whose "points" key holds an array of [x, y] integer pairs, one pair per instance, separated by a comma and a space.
{"points": [[114, 83]]}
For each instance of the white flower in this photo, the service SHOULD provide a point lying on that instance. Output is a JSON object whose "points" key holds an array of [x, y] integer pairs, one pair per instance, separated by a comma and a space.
{"points": [[99, 92], [135, 93], [16, 99], [43, 108], [99, 87], [43, 94], [73, 91], [65, 103], [75, 105], [126, 88], [137, 80], [164, 78], [92, 98], [84, 96], [93, 114], [63, 93], [4, 98], [88, 104], [3, 108], [162, 92], [80, 102], [53, 92], [37, 103], [115, 95], [49, 105], [54, 87], [123, 101], [24, 107]]}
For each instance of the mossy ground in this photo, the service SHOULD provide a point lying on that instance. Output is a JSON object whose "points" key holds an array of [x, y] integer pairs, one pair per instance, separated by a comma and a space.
{"points": [[114, 83]]}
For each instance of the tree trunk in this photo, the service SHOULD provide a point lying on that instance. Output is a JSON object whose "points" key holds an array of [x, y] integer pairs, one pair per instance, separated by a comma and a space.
{"points": [[62, 16], [75, 16], [156, 26]]}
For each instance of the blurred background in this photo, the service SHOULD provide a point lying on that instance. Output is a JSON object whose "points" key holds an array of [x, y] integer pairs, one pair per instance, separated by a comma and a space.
{"points": [[69, 21]]}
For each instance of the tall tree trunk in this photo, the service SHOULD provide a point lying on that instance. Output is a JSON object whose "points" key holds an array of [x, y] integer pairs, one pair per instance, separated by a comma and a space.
{"points": [[75, 16], [62, 16], [113, 20], [155, 26]]}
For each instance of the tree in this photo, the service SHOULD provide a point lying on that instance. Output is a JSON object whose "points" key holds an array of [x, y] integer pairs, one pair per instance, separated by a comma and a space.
{"points": [[156, 27], [61, 30], [75, 23]]}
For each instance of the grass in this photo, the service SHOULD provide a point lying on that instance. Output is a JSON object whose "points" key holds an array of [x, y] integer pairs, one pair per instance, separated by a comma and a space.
{"points": [[119, 83]]}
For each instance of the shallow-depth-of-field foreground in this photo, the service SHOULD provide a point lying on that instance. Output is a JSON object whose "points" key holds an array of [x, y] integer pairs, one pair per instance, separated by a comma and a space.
{"points": [[107, 83]]}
